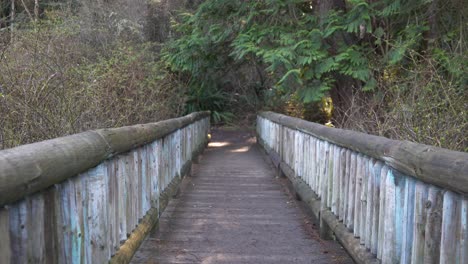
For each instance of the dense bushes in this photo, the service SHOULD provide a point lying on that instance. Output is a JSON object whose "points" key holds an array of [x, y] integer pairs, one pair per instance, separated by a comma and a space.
{"points": [[55, 80], [394, 68]]}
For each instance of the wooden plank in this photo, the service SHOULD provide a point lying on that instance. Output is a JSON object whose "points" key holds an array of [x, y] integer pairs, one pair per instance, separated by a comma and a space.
{"points": [[369, 203], [5, 252], [450, 237], [325, 175], [130, 191], [18, 232], [343, 184], [389, 238], [376, 210], [122, 191], [351, 191], [464, 232], [154, 174], [433, 225], [36, 248], [335, 205], [357, 196], [382, 211], [347, 183], [62, 221], [75, 221], [408, 220], [97, 218], [50, 232], [363, 200], [320, 162], [400, 184], [113, 208], [317, 167], [442, 167], [330, 183]]}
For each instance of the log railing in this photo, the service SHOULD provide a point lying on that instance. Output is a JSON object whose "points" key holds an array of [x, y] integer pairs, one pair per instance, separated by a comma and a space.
{"points": [[385, 200], [92, 197]]}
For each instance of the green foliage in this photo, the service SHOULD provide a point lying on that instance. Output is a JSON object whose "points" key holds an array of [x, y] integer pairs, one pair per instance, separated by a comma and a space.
{"points": [[53, 83], [304, 50]]}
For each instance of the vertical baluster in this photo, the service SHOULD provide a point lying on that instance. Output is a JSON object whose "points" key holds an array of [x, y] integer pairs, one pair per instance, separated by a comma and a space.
{"points": [[351, 191], [336, 180], [464, 232], [363, 199], [343, 184], [408, 220], [382, 211], [376, 210], [369, 202], [433, 225], [329, 174], [450, 239], [36, 249], [5, 253], [389, 250], [357, 196]]}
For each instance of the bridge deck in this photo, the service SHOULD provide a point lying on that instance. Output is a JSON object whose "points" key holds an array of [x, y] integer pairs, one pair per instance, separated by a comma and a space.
{"points": [[233, 210]]}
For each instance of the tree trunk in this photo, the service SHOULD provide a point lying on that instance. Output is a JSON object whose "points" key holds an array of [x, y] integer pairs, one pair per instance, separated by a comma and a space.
{"points": [[12, 15], [36, 10]]}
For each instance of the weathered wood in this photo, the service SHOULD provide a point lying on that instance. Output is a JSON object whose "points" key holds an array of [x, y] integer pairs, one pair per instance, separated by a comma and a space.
{"points": [[464, 232], [382, 211], [86, 217], [330, 175], [5, 252], [352, 245], [343, 184], [29, 168], [128, 249], [408, 221], [442, 167], [450, 236], [399, 218], [335, 205], [351, 191], [433, 225], [389, 241], [357, 196], [369, 203], [376, 210]]}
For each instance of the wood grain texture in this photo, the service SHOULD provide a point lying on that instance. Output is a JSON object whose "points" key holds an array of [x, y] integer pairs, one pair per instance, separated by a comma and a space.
{"points": [[85, 218], [441, 167], [398, 217], [30, 168]]}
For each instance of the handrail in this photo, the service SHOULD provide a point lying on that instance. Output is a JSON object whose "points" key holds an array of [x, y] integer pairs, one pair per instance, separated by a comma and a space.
{"points": [[30, 168], [377, 196], [93, 197], [442, 167]]}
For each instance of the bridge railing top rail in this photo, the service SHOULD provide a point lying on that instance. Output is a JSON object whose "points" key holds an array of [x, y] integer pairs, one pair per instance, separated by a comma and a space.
{"points": [[438, 166], [33, 167]]}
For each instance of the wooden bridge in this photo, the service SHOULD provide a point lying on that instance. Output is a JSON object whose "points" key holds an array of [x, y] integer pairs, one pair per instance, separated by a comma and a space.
{"points": [[143, 194]]}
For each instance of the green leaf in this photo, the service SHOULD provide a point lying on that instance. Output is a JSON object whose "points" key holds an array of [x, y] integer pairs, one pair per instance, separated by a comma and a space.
{"points": [[294, 72], [370, 85]]}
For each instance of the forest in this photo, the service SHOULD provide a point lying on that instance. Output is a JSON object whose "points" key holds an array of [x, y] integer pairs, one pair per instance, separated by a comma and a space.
{"points": [[394, 68]]}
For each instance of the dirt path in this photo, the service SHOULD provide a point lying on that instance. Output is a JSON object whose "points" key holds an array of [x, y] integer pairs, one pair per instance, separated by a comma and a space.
{"points": [[234, 210]]}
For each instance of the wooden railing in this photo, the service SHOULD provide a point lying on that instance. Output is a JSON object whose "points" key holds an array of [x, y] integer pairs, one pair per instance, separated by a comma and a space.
{"points": [[385, 200], [92, 197]]}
